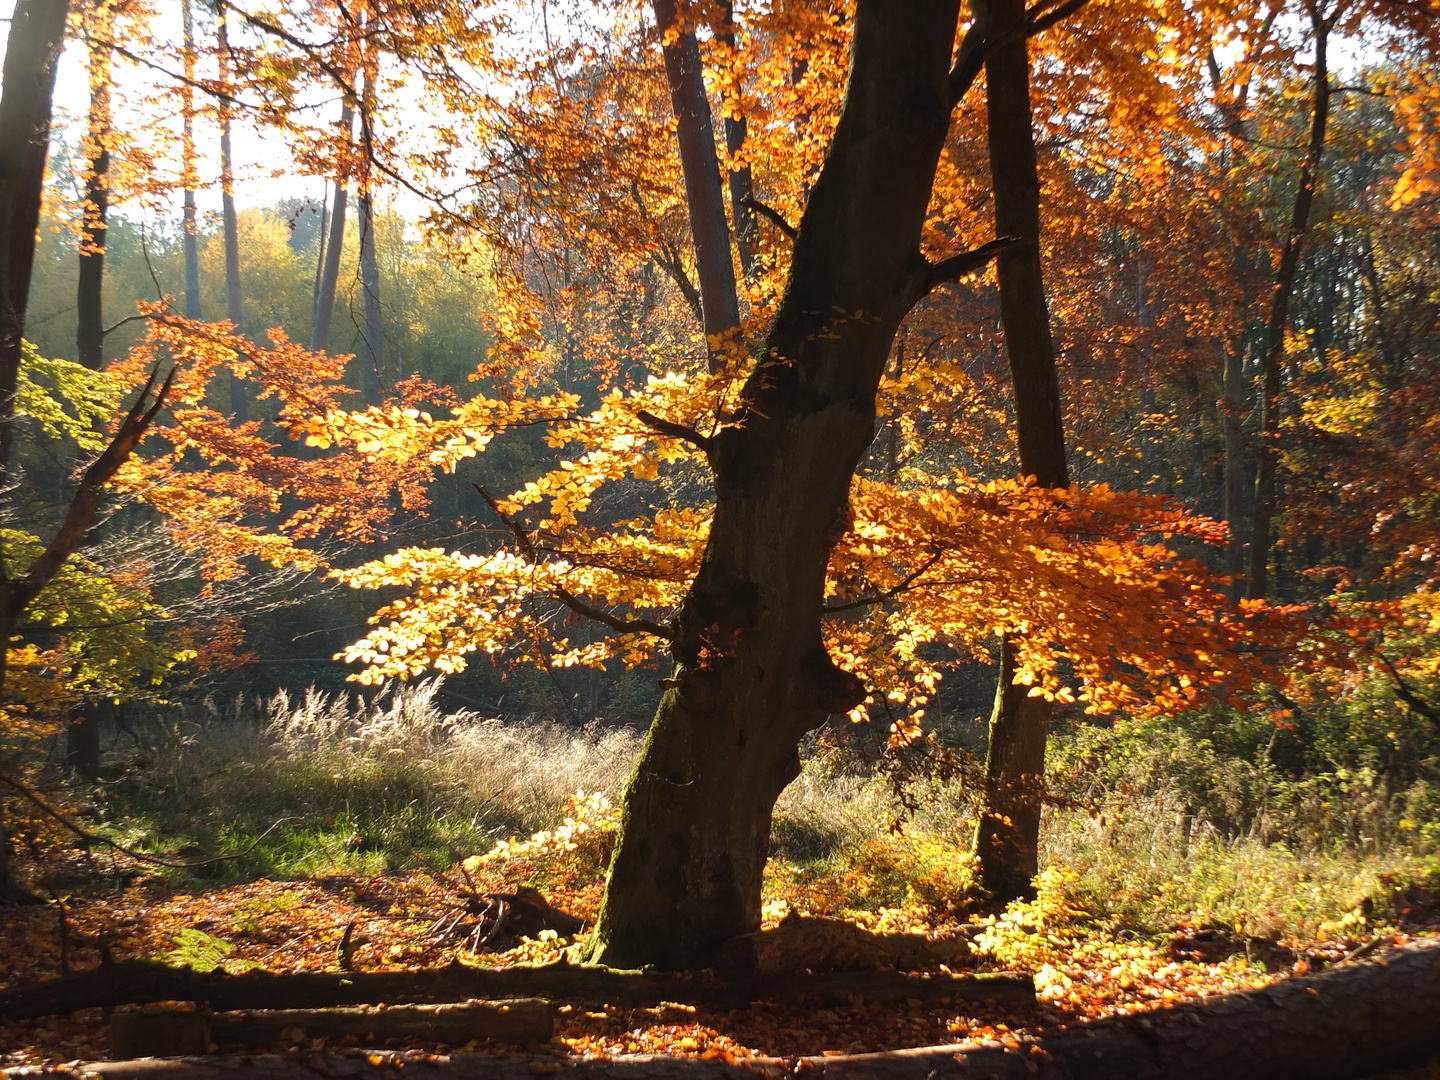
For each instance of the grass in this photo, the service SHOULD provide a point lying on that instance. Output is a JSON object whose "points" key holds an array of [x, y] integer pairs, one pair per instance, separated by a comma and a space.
{"points": [[392, 783]]}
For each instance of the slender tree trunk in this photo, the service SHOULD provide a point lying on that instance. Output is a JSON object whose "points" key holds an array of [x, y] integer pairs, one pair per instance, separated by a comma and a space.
{"points": [[1234, 494], [191, 177], [700, 164], [1007, 834], [742, 185], [330, 276], [1280, 313], [234, 298], [752, 673], [37, 32], [89, 291], [370, 284]]}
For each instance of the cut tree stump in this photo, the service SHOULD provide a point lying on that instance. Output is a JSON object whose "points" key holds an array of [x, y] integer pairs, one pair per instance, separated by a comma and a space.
{"points": [[800, 944], [138, 982], [1352, 1022]]}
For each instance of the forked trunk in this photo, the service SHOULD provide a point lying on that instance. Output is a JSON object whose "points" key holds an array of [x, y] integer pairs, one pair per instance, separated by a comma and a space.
{"points": [[752, 674], [1279, 320], [1007, 835], [330, 275]]}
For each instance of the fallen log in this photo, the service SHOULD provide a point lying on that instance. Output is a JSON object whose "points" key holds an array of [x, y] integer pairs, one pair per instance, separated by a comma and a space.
{"points": [[138, 982], [161, 1033], [1352, 1022]]}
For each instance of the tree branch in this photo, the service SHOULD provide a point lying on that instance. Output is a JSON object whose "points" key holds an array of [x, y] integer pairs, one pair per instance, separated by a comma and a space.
{"points": [[569, 599], [774, 215], [1407, 694], [957, 266], [975, 48], [674, 430], [85, 507], [888, 594]]}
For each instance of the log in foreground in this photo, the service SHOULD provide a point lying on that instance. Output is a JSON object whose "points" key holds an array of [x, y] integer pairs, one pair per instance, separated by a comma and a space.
{"points": [[1351, 1022], [162, 1033], [138, 982]]}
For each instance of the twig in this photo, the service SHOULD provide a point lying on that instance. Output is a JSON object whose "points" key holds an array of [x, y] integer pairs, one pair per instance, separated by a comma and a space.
{"points": [[96, 838], [569, 599], [1364, 950]]}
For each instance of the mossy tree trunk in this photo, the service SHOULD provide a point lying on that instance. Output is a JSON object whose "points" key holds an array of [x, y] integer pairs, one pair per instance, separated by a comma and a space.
{"points": [[1008, 832], [752, 674]]}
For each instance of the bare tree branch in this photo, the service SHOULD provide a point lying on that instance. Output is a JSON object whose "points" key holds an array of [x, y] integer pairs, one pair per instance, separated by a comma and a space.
{"points": [[888, 594], [674, 430], [957, 266], [85, 507], [774, 215], [569, 599]]}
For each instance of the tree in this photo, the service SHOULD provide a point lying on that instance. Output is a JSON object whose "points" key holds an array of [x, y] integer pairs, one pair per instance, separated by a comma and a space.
{"points": [[1007, 834], [37, 31]]}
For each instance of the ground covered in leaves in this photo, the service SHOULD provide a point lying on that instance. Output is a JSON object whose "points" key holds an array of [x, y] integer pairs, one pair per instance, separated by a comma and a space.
{"points": [[1084, 969]]}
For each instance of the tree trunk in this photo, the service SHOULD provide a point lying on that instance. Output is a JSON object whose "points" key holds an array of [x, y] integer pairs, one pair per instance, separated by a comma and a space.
{"points": [[742, 185], [1280, 314], [701, 166], [330, 276], [752, 674], [1007, 834], [370, 285], [82, 741], [234, 298], [190, 178], [89, 291], [1234, 495], [37, 32]]}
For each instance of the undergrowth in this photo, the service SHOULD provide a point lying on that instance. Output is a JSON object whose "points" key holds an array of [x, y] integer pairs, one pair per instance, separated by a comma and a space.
{"points": [[1155, 831]]}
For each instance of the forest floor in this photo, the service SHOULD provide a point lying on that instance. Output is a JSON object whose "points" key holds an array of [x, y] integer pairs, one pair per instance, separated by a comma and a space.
{"points": [[405, 922], [325, 815]]}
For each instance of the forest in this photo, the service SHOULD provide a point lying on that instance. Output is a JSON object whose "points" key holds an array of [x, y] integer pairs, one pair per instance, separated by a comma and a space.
{"points": [[889, 539]]}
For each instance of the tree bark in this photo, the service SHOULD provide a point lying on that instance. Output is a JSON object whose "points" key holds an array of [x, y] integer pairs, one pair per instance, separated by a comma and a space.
{"points": [[1008, 831], [1346, 1024], [1234, 494], [89, 290], [742, 184], [370, 285], [234, 297], [330, 276], [1279, 319], [190, 177], [37, 32], [752, 674], [700, 164]]}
